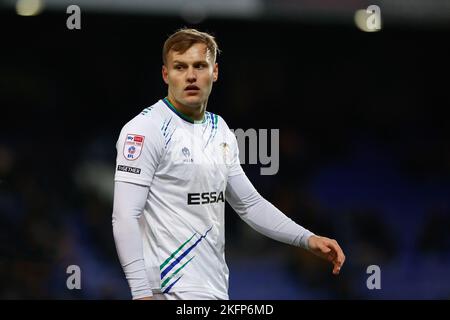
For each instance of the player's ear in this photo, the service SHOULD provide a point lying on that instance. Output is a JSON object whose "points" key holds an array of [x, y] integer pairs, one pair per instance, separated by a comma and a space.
{"points": [[165, 74], [215, 72]]}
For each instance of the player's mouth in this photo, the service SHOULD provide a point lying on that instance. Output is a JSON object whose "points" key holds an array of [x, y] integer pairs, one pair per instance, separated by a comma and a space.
{"points": [[192, 89]]}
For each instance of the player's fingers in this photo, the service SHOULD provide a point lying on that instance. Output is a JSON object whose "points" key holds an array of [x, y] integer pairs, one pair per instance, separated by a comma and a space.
{"points": [[336, 269], [324, 248], [338, 253], [340, 257], [331, 256]]}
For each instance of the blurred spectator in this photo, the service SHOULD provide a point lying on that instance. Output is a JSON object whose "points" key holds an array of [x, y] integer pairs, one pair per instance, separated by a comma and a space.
{"points": [[434, 238]]}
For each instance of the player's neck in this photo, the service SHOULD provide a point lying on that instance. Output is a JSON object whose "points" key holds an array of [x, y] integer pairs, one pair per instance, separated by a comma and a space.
{"points": [[193, 114]]}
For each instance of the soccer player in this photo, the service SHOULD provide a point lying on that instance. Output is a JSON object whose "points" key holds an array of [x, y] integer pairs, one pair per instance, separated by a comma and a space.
{"points": [[176, 165]]}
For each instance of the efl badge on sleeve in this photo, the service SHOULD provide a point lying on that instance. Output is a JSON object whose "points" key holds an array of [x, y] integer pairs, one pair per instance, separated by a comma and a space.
{"points": [[133, 146]]}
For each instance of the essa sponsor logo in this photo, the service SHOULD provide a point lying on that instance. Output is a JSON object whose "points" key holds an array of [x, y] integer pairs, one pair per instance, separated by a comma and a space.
{"points": [[205, 198], [129, 169], [133, 146]]}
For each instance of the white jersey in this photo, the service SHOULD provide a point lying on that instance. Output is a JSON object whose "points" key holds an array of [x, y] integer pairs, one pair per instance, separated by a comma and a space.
{"points": [[186, 165]]}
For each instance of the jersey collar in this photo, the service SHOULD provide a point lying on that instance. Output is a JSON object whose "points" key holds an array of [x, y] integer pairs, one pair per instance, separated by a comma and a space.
{"points": [[182, 115]]}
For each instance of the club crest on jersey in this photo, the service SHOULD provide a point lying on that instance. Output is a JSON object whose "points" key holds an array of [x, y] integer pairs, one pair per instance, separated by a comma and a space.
{"points": [[225, 151], [133, 146]]}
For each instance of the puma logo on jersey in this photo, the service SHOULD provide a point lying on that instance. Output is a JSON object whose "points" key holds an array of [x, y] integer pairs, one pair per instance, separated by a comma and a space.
{"points": [[187, 155], [205, 197]]}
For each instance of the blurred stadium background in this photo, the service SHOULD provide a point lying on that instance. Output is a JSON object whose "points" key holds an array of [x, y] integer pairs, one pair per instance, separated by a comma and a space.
{"points": [[364, 139]]}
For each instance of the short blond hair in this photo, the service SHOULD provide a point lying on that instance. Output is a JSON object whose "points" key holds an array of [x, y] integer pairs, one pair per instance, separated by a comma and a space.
{"points": [[184, 38]]}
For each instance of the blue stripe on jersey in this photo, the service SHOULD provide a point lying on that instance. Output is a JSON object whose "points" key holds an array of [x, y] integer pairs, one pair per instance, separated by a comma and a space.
{"points": [[178, 260], [170, 138], [146, 110], [171, 285], [167, 126], [213, 132]]}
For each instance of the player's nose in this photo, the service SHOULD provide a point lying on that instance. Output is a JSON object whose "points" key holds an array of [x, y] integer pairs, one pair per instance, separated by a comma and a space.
{"points": [[191, 76]]}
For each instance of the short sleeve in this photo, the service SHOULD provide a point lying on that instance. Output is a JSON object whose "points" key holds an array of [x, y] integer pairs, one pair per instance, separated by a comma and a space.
{"points": [[139, 151], [235, 165]]}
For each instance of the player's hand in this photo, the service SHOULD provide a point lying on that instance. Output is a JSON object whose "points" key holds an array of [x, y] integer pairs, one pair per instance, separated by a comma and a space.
{"points": [[327, 249]]}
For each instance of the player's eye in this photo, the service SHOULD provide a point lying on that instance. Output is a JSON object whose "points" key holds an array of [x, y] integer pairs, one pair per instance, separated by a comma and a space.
{"points": [[201, 66], [178, 67]]}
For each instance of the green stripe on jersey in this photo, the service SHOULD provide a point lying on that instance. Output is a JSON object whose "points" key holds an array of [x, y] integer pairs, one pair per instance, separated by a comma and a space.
{"points": [[175, 252], [175, 273]]}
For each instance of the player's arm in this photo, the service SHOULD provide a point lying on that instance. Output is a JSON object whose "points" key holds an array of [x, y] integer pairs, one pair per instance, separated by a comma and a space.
{"points": [[139, 151], [265, 218], [129, 202], [261, 215]]}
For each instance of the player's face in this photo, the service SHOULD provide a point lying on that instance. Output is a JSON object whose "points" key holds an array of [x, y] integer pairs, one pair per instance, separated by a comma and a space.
{"points": [[190, 75]]}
